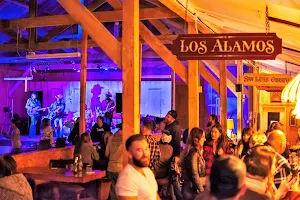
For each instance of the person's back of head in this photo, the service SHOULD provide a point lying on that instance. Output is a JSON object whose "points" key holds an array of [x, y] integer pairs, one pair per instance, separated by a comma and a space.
{"points": [[147, 126], [278, 126], [227, 178], [277, 140], [259, 161], [8, 166], [257, 139]]}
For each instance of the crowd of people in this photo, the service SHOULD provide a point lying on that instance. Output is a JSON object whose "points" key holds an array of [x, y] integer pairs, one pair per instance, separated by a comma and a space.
{"points": [[209, 166]]}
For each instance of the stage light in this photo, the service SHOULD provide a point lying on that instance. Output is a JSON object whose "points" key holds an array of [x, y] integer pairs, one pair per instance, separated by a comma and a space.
{"points": [[53, 56]]}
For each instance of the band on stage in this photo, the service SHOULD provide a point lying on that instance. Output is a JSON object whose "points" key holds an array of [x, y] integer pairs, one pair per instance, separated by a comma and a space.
{"points": [[59, 118]]}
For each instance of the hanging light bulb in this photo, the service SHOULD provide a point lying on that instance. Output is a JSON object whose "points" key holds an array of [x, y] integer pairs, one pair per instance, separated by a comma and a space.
{"points": [[291, 92]]}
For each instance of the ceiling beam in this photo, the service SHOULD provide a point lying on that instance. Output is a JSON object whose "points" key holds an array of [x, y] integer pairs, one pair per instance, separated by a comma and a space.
{"points": [[209, 77], [160, 26], [187, 16], [98, 32], [58, 30], [32, 32], [103, 16], [163, 52], [165, 39]]}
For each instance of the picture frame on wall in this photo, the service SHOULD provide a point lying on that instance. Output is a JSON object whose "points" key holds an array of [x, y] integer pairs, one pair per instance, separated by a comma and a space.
{"points": [[275, 97], [293, 120]]}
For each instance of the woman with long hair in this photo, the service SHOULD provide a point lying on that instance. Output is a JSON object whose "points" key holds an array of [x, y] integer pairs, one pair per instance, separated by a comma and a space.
{"points": [[243, 145], [86, 149], [217, 145], [194, 165], [47, 131]]}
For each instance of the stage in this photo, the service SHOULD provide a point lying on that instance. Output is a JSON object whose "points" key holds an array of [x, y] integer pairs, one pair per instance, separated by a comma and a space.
{"points": [[27, 143]]}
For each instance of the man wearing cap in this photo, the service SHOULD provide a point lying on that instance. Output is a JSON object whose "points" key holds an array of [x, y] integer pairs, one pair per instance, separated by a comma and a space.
{"points": [[56, 114], [32, 106], [173, 127], [108, 107]]}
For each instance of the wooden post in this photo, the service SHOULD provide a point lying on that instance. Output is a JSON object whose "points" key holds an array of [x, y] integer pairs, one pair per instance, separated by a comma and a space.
{"points": [[193, 87], [239, 100], [223, 95], [131, 70], [83, 82], [173, 87], [32, 31], [250, 101], [140, 72], [256, 97]]}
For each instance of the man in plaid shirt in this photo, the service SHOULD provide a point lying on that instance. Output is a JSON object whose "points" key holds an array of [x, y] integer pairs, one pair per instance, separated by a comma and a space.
{"points": [[146, 129], [277, 140]]}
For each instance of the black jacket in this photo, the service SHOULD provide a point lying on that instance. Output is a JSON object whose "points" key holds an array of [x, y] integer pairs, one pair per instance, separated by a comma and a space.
{"points": [[175, 131], [97, 132]]}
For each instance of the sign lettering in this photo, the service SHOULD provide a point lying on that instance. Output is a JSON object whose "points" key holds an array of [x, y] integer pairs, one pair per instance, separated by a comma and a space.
{"points": [[231, 46], [262, 80]]}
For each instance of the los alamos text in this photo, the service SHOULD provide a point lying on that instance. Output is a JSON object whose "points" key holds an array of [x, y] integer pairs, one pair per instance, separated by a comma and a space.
{"points": [[227, 46]]}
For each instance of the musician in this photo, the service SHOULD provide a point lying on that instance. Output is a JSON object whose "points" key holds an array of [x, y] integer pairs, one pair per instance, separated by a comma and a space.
{"points": [[108, 107], [56, 114], [33, 106]]}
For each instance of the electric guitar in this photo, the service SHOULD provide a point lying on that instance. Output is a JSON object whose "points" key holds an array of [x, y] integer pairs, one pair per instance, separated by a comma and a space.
{"points": [[35, 110], [54, 113], [102, 112]]}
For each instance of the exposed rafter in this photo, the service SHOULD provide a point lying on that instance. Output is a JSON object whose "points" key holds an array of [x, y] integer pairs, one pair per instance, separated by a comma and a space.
{"points": [[104, 16], [165, 39]]}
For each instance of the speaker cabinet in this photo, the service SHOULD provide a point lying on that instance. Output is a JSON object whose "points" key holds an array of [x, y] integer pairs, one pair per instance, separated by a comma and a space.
{"points": [[118, 102], [238, 87]]}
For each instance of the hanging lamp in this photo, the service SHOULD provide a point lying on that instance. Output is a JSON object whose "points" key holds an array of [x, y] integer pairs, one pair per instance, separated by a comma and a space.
{"points": [[291, 94]]}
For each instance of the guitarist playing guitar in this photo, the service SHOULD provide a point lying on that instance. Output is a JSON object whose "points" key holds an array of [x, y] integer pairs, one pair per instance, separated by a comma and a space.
{"points": [[33, 106], [108, 106], [56, 115]]}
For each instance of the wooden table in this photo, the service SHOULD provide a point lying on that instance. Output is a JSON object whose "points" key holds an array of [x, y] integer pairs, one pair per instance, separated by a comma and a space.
{"points": [[61, 175], [66, 176]]}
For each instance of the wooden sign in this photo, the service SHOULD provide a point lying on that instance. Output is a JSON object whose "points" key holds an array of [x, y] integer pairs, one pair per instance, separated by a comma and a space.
{"points": [[263, 80], [227, 46]]}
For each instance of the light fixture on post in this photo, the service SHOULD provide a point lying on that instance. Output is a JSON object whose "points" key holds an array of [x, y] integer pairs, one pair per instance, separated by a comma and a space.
{"points": [[52, 56], [230, 127], [291, 94]]}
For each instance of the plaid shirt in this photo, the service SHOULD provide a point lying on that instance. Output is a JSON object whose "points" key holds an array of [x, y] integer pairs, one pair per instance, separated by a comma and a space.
{"points": [[283, 169], [209, 155], [154, 151]]}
